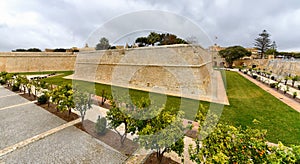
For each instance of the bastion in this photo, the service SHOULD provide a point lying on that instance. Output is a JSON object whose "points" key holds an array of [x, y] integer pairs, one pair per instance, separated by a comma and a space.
{"points": [[178, 70]]}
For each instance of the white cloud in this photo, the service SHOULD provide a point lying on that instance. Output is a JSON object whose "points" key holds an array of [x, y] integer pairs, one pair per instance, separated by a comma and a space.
{"points": [[67, 23]]}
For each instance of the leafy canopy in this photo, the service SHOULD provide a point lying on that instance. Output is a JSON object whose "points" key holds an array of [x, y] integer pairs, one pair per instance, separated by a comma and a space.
{"points": [[233, 53]]}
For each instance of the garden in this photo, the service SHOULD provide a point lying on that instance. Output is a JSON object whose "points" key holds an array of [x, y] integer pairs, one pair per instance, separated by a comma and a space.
{"points": [[253, 119]]}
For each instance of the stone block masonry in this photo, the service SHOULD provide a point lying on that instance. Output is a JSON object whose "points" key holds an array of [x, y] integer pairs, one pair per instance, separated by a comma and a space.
{"points": [[179, 70], [36, 61]]}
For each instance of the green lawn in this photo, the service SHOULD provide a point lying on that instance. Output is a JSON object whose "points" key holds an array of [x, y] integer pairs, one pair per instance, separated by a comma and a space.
{"points": [[247, 102]]}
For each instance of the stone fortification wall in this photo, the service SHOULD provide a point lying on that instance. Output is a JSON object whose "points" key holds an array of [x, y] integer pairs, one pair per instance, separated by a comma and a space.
{"points": [[179, 70], [36, 61], [284, 67], [176, 69], [278, 66]]}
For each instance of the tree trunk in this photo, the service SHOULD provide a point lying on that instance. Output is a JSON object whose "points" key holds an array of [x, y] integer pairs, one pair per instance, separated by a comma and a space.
{"points": [[159, 156], [70, 112]]}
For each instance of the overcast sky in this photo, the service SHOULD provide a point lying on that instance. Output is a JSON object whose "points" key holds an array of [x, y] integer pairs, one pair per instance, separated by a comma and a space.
{"points": [[67, 23]]}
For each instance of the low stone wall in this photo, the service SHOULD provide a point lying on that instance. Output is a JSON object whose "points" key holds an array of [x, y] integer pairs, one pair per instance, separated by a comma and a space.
{"points": [[36, 61], [278, 66]]}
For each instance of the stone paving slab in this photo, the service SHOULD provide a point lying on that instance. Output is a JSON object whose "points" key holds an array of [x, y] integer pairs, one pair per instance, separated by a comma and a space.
{"points": [[22, 122], [70, 145], [4, 91], [12, 100]]}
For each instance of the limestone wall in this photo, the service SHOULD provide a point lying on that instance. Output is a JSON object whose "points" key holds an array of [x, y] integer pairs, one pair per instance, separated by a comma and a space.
{"points": [[36, 61], [179, 70], [277, 66], [284, 67], [176, 69]]}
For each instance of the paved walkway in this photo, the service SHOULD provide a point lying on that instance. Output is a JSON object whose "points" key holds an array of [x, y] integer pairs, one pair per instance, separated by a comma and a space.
{"points": [[290, 102], [140, 155], [30, 134]]}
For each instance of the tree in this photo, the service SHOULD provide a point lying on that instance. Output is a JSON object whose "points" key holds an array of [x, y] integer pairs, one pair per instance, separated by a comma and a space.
{"points": [[60, 50], [117, 117], [228, 144], [34, 50], [100, 126], [9, 79], [294, 79], [233, 53], [272, 50], [37, 86], [162, 133], [82, 102], [24, 82], [161, 39], [62, 96], [263, 43], [287, 78], [153, 37], [66, 98], [103, 44], [142, 41]]}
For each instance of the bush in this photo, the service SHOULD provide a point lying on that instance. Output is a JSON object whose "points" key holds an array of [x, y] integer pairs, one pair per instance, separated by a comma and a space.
{"points": [[272, 78], [273, 85], [15, 87], [42, 99], [254, 76], [2, 81], [294, 94], [101, 126]]}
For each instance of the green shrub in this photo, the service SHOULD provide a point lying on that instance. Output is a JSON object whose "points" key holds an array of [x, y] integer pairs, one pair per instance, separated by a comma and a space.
{"points": [[2, 82], [294, 94], [101, 126], [15, 87], [272, 78], [42, 99], [273, 85]]}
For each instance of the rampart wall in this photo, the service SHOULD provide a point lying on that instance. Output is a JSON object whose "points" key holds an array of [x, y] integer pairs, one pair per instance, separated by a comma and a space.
{"points": [[278, 66], [36, 61], [179, 70]]}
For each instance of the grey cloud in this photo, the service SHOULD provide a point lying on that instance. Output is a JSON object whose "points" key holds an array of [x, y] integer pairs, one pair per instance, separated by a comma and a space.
{"points": [[69, 23]]}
